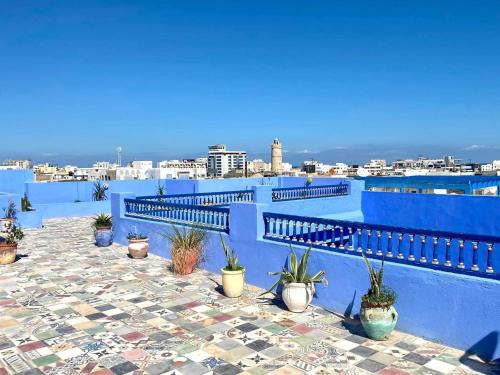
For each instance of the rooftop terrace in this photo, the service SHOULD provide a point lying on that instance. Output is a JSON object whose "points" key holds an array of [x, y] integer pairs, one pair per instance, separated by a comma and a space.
{"points": [[69, 307]]}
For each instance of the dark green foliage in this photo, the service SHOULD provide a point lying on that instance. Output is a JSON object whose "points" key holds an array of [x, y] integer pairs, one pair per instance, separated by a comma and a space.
{"points": [[378, 295], [102, 221], [26, 204], [13, 235]]}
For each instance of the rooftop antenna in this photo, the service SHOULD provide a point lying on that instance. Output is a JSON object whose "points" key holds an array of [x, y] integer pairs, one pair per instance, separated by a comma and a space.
{"points": [[119, 155]]}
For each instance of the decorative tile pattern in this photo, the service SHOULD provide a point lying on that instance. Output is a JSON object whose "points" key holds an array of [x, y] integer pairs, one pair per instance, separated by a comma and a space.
{"points": [[68, 307]]}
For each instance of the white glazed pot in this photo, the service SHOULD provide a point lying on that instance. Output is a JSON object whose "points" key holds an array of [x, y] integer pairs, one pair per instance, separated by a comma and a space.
{"points": [[297, 296], [232, 282]]}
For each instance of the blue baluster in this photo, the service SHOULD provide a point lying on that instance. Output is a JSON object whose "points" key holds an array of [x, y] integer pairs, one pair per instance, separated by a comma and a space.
{"points": [[461, 254], [411, 255], [388, 253], [360, 240], [435, 241], [423, 239], [489, 260], [474, 266]]}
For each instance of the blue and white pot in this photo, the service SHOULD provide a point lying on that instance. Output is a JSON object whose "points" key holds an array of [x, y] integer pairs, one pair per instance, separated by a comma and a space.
{"points": [[103, 237]]}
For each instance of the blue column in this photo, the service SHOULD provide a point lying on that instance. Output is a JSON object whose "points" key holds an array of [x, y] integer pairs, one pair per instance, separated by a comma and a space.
{"points": [[246, 221], [262, 194]]}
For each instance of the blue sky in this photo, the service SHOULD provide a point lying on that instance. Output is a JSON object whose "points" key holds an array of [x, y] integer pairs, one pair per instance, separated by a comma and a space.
{"points": [[167, 78]]}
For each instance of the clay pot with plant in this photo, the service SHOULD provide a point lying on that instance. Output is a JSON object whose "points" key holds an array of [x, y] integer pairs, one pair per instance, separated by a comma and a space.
{"points": [[9, 217], [378, 315], [233, 274], [103, 233], [298, 286], [187, 245], [138, 245], [8, 243]]}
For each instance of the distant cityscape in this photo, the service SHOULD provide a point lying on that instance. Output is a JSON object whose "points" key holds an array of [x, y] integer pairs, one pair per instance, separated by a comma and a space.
{"points": [[223, 163]]}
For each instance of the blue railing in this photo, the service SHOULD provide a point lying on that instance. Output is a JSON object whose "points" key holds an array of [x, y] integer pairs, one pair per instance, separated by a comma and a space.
{"points": [[222, 198], [214, 218], [286, 194], [446, 251]]}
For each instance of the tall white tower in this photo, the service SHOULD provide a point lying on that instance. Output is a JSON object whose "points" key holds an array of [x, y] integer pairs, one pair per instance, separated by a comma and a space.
{"points": [[276, 157], [119, 155]]}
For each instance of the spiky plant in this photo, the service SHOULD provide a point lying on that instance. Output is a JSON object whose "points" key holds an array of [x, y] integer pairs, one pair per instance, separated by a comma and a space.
{"points": [[25, 203], [296, 272], [99, 192], [102, 221], [378, 295], [10, 212], [231, 257], [187, 246]]}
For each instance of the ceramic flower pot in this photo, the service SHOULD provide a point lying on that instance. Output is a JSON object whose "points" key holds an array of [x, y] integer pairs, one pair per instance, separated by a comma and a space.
{"points": [[233, 282], [187, 265], [297, 296], [5, 223], [8, 253], [103, 237], [378, 322], [138, 249]]}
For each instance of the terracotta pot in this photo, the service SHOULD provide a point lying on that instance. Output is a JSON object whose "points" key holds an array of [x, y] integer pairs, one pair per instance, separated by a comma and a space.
{"points": [[4, 224], [138, 249], [8, 253], [189, 263], [297, 296], [233, 282]]}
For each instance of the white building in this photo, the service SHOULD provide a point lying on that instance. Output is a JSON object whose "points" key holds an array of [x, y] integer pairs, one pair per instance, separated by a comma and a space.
{"points": [[487, 167], [178, 169], [17, 164], [142, 164], [222, 161], [258, 166], [496, 165]]}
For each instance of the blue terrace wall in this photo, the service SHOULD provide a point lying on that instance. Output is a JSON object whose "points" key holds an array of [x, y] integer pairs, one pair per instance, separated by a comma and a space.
{"points": [[455, 213], [12, 181], [343, 207], [455, 309]]}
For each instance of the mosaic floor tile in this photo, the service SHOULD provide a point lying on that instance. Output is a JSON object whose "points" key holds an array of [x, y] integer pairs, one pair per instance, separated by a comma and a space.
{"points": [[71, 308]]}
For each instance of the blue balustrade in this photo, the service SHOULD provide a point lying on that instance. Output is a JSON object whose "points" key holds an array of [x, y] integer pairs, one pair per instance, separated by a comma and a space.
{"points": [[308, 192], [445, 251], [216, 199], [214, 218]]}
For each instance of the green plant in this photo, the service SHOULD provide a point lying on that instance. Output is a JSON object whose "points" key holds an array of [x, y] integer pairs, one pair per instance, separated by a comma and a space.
{"points": [[160, 189], [10, 212], [231, 257], [378, 295], [25, 203], [297, 272], [187, 246], [99, 192], [102, 221], [13, 235]]}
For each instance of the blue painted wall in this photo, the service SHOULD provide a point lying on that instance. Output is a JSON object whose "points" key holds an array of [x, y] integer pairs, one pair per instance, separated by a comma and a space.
{"points": [[456, 213], [60, 210], [344, 207], [12, 181], [228, 184], [455, 309]]}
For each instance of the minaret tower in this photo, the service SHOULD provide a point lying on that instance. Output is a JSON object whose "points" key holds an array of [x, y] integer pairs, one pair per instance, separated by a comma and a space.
{"points": [[277, 157]]}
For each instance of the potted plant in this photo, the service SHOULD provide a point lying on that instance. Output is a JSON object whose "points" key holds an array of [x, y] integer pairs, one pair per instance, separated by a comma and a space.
{"points": [[26, 204], [99, 192], [8, 243], [378, 315], [233, 274], [187, 246], [137, 245], [102, 230], [298, 286], [10, 215]]}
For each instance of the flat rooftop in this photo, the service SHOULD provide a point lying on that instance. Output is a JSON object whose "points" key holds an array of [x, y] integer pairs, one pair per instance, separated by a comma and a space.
{"points": [[68, 307]]}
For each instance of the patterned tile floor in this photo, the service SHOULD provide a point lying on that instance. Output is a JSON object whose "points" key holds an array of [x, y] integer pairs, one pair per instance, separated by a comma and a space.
{"points": [[68, 307]]}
